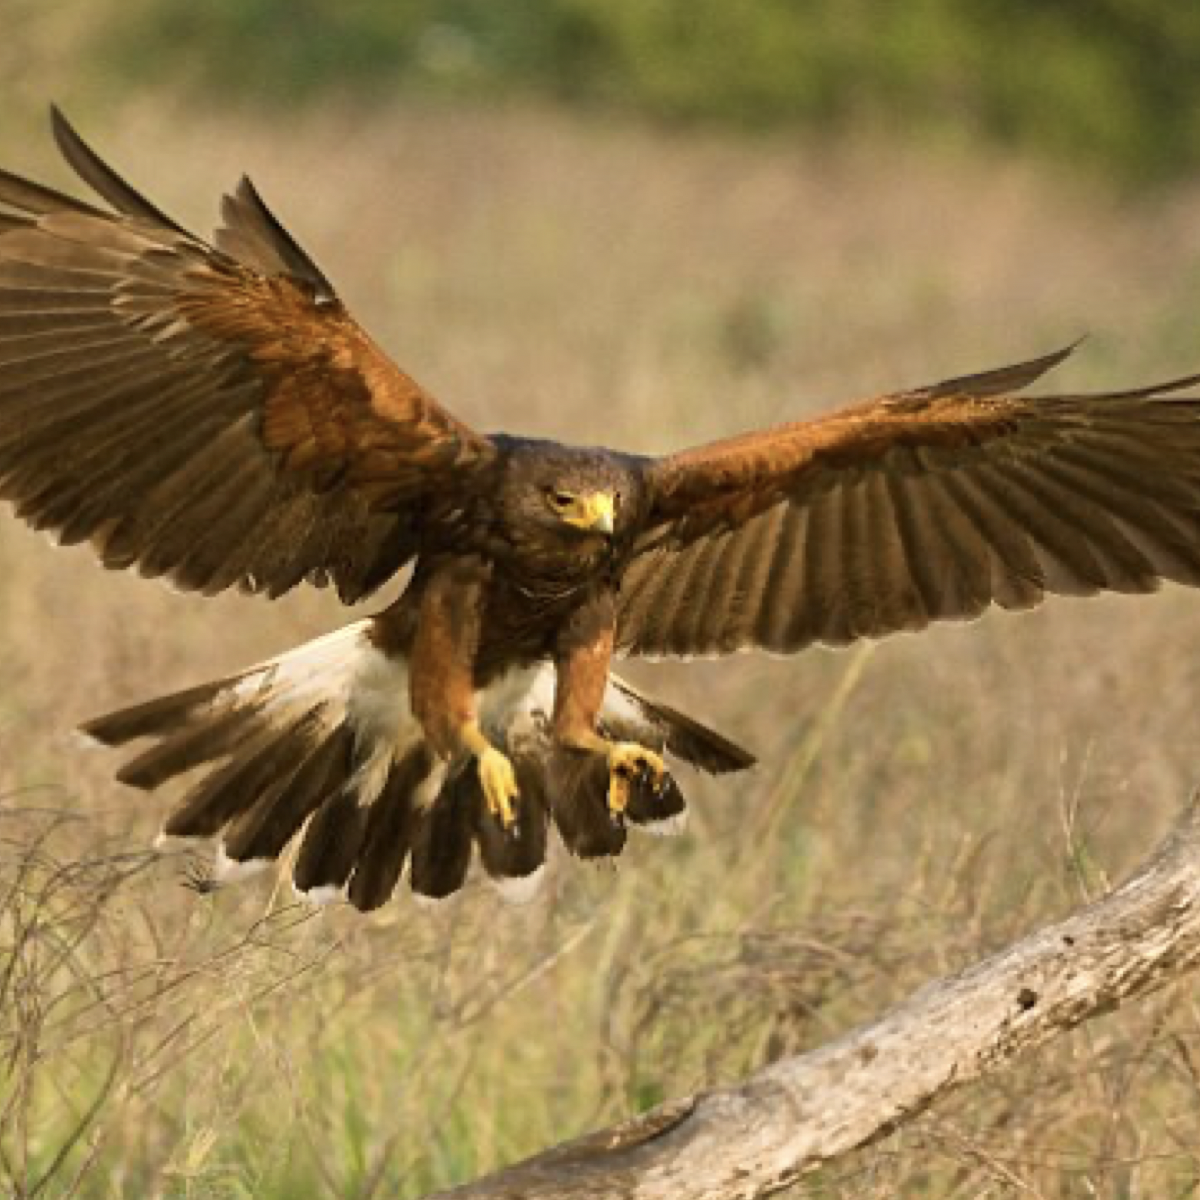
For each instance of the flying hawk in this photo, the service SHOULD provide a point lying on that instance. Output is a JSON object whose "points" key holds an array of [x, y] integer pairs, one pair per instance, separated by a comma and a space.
{"points": [[209, 413]]}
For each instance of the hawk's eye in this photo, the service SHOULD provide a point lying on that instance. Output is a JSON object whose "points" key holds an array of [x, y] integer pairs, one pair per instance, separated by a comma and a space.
{"points": [[559, 499]]}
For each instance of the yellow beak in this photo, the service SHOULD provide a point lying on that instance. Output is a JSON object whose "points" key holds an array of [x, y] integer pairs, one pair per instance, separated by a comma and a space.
{"points": [[595, 513]]}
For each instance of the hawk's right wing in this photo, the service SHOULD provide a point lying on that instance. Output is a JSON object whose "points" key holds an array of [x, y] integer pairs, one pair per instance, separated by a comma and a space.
{"points": [[208, 413]]}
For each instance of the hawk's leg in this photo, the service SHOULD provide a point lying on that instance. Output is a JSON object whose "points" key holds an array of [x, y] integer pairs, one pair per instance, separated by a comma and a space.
{"points": [[442, 682], [627, 763], [582, 663], [496, 775]]}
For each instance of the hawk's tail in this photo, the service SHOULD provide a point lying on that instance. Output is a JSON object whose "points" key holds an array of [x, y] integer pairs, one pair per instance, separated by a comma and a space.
{"points": [[320, 745]]}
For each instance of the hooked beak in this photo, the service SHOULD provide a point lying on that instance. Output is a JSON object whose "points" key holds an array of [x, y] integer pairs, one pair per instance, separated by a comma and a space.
{"points": [[596, 514]]}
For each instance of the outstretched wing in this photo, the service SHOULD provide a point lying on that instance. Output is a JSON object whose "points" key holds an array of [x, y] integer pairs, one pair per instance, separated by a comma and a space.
{"points": [[208, 413], [922, 506]]}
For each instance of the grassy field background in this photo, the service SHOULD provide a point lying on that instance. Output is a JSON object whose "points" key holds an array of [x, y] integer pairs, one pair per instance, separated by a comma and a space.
{"points": [[919, 803]]}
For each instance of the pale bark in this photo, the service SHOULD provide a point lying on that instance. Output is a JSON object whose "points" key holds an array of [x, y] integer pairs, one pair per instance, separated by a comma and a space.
{"points": [[755, 1138]]}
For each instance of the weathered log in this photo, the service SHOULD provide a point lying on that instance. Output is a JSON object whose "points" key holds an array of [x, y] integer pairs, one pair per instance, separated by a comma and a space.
{"points": [[756, 1137]]}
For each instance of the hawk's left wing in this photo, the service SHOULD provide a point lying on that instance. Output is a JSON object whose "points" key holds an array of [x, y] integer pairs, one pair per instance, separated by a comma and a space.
{"points": [[925, 505]]}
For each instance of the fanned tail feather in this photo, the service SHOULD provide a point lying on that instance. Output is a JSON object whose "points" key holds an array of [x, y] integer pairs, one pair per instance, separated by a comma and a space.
{"points": [[319, 746]]}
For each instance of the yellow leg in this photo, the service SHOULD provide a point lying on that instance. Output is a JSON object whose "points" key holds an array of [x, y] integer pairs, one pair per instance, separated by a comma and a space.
{"points": [[496, 775], [626, 761]]}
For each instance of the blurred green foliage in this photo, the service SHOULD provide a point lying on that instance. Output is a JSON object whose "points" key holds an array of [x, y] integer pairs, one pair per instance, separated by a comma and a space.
{"points": [[1109, 83]]}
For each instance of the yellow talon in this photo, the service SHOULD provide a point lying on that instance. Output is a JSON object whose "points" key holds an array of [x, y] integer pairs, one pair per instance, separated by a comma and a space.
{"points": [[626, 761], [499, 786]]}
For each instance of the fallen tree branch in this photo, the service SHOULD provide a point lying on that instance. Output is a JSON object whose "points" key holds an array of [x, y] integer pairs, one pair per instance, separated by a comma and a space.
{"points": [[757, 1137]]}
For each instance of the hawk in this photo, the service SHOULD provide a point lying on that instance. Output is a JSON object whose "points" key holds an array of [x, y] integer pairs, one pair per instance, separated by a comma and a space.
{"points": [[209, 413]]}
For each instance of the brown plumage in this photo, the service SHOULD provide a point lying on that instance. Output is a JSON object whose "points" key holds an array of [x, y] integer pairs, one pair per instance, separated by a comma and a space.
{"points": [[211, 414]]}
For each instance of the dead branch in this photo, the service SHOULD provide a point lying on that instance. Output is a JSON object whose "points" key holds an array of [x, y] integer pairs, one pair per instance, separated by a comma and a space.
{"points": [[757, 1137]]}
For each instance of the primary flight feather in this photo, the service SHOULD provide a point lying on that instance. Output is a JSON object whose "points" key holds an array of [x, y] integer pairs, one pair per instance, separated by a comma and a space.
{"points": [[210, 413]]}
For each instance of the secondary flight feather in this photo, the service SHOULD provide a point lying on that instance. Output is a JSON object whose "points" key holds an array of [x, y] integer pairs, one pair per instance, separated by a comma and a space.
{"points": [[209, 412]]}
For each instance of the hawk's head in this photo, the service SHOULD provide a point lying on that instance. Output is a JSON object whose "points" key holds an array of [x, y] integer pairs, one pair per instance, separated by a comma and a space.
{"points": [[566, 499], [589, 511]]}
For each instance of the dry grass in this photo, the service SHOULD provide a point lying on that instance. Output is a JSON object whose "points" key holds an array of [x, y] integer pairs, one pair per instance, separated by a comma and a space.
{"points": [[918, 804]]}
